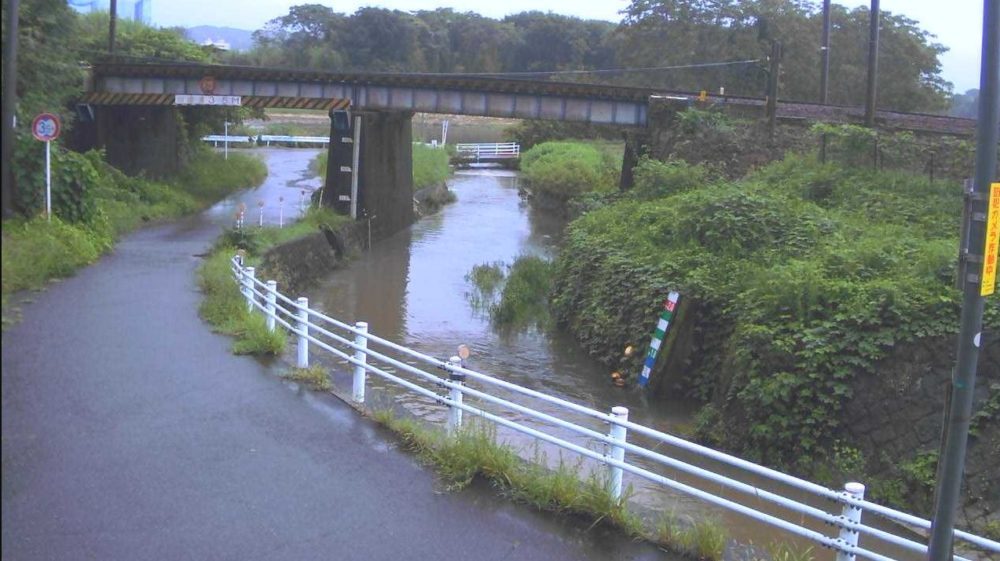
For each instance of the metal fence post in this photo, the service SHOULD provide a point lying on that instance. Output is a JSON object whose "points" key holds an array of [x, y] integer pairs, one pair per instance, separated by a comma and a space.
{"points": [[455, 393], [361, 340], [272, 300], [248, 278], [303, 328], [850, 513], [618, 433]]}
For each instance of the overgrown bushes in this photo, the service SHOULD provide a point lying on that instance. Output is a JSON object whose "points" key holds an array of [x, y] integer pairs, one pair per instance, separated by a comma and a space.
{"points": [[560, 171], [805, 276], [93, 203]]}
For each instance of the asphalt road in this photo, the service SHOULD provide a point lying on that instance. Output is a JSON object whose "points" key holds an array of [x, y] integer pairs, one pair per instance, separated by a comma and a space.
{"points": [[130, 431]]}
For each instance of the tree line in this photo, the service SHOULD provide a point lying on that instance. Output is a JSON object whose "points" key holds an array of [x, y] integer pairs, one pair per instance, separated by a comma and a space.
{"points": [[674, 40]]}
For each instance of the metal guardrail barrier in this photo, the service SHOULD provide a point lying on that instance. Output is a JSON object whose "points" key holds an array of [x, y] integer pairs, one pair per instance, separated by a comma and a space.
{"points": [[370, 354], [489, 151], [267, 139]]}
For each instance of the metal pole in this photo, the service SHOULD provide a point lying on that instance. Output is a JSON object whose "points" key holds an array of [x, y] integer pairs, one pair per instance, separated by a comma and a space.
{"points": [[48, 180], [956, 431], [361, 340], [455, 394], [112, 25], [272, 299], [824, 75], [850, 513], [355, 159], [873, 26], [303, 328], [618, 432], [225, 142], [9, 102], [772, 88]]}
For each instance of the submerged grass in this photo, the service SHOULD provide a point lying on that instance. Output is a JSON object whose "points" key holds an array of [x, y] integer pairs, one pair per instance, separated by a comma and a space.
{"points": [[314, 376]]}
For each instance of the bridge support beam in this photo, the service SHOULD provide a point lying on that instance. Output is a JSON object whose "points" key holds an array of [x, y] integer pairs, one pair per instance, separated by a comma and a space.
{"points": [[137, 139], [385, 174]]}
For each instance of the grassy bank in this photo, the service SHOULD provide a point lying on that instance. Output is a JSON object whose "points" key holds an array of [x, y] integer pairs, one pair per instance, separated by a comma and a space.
{"points": [[565, 171], [474, 452], [805, 277], [94, 204], [224, 307]]}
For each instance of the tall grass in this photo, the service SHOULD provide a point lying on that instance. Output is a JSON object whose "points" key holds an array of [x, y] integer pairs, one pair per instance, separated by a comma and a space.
{"points": [[563, 170], [36, 251]]}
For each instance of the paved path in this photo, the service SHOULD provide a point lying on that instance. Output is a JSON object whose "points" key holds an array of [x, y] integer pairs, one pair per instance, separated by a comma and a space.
{"points": [[130, 431]]}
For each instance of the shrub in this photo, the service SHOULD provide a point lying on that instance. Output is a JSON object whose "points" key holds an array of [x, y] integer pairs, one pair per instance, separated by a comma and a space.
{"points": [[563, 170], [655, 179]]}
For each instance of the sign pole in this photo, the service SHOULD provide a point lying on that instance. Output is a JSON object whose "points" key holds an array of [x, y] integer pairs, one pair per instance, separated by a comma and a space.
{"points": [[48, 179], [226, 142]]}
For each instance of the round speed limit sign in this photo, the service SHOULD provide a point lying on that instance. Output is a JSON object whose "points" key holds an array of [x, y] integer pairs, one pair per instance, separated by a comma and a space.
{"points": [[46, 127]]}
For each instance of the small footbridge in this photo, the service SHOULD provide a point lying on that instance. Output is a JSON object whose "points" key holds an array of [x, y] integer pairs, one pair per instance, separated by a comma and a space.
{"points": [[486, 153]]}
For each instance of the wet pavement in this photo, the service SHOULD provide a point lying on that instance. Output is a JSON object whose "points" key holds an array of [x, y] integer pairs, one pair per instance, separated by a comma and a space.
{"points": [[130, 431]]}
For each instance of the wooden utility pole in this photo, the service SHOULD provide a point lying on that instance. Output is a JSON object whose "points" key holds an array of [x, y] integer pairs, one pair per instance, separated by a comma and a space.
{"points": [[772, 88], [9, 106], [872, 64], [112, 26], [824, 75]]}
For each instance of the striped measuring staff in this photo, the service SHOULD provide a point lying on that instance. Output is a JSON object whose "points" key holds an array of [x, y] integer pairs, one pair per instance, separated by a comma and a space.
{"points": [[661, 332]]}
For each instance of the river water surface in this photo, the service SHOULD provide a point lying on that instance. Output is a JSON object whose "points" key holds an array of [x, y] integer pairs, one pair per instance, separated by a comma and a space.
{"points": [[412, 289]]}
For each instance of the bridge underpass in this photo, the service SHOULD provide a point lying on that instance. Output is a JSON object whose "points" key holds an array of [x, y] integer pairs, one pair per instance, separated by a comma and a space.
{"points": [[134, 105]]}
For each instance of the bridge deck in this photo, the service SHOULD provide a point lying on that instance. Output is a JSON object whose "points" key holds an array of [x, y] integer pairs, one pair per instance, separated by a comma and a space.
{"points": [[461, 94]]}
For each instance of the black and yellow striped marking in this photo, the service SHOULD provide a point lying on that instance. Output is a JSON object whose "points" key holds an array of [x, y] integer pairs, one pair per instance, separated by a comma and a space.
{"points": [[104, 98]]}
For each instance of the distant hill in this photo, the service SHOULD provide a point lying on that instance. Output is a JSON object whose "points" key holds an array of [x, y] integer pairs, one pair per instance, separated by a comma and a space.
{"points": [[238, 39]]}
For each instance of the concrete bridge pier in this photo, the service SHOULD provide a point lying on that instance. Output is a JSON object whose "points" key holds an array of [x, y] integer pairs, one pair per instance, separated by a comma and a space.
{"points": [[136, 138], [385, 174]]}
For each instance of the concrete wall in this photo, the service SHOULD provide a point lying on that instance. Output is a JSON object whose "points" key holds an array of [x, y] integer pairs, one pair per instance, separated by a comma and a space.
{"points": [[385, 176], [898, 414], [139, 139]]}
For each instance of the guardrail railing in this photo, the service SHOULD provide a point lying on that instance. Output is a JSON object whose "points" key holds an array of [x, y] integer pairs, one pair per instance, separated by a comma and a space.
{"points": [[370, 354], [489, 151], [266, 139]]}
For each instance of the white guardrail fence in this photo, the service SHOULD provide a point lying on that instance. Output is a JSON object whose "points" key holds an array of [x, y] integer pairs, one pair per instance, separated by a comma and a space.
{"points": [[490, 151], [266, 139], [370, 354]]}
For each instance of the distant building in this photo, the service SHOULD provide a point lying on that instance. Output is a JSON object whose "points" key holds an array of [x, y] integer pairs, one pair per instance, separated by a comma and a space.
{"points": [[138, 10]]}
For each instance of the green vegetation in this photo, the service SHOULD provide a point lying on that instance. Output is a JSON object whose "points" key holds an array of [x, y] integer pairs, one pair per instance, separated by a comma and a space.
{"points": [[430, 166], [443, 40], [805, 276], [514, 296], [474, 452], [700, 539], [560, 171], [315, 377], [93, 204], [224, 307]]}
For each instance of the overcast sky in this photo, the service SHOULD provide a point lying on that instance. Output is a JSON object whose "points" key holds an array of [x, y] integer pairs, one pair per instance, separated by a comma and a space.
{"points": [[956, 23]]}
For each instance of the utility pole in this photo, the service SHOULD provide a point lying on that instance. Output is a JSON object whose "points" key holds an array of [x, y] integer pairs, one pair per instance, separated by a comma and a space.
{"points": [[951, 464], [824, 75], [772, 88], [112, 25], [873, 26], [9, 105]]}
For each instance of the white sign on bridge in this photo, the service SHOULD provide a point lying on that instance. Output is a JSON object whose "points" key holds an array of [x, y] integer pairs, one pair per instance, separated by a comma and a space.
{"points": [[191, 99]]}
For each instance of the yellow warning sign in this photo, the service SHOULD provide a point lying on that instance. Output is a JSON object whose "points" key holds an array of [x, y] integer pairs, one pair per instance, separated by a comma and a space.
{"points": [[989, 284]]}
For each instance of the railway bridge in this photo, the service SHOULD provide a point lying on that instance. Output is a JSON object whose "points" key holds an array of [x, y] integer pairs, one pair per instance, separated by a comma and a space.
{"points": [[134, 108]]}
